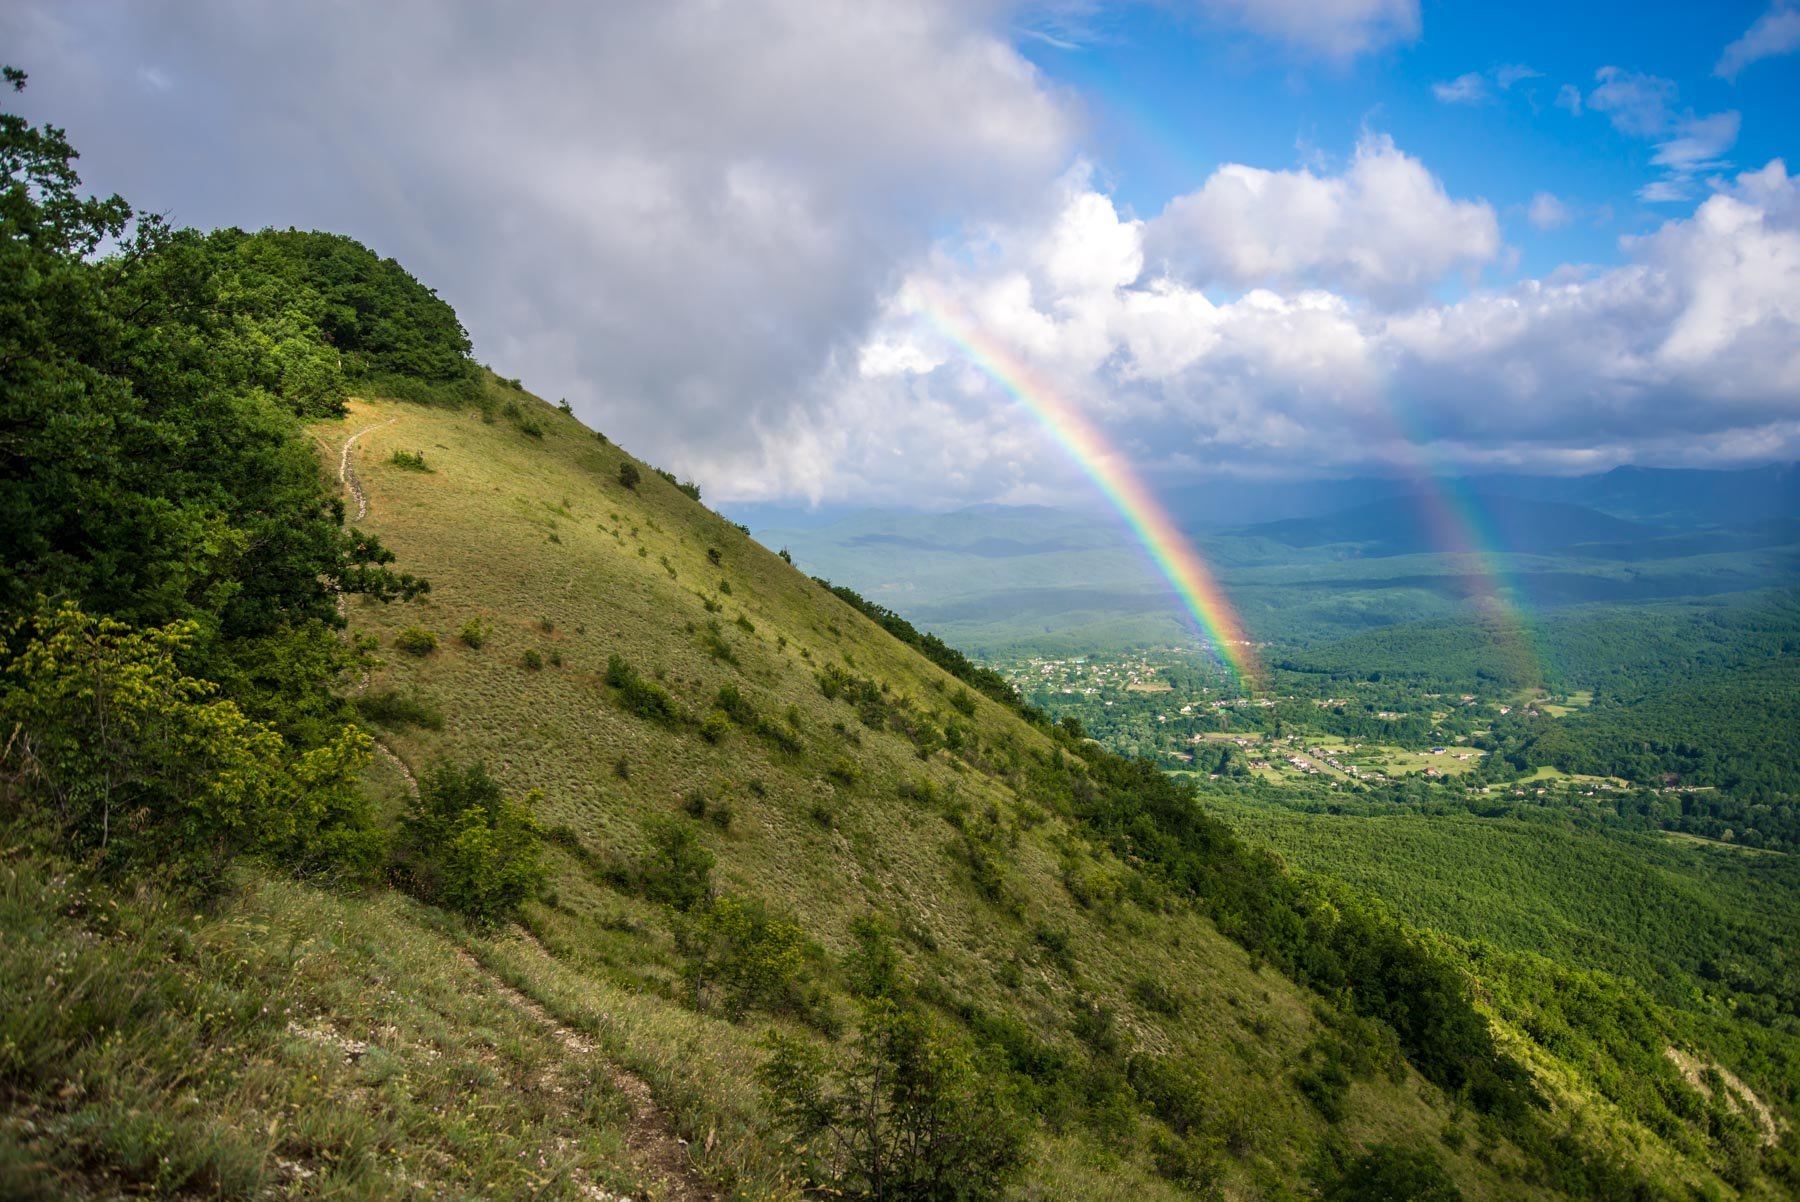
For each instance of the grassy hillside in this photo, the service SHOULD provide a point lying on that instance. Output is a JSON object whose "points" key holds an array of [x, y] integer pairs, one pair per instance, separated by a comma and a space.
{"points": [[278, 1038], [534, 536]]}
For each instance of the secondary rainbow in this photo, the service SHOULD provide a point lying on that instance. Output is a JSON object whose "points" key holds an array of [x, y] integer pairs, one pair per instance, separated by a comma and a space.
{"points": [[1103, 463]]}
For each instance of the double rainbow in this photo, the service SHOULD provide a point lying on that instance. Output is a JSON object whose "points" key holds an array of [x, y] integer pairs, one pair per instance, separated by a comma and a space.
{"points": [[1104, 464]]}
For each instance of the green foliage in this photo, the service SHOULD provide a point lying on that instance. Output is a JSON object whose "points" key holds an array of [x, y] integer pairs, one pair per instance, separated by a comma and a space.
{"points": [[741, 957], [1386, 1172], [140, 765], [474, 633], [907, 1114], [640, 696], [532, 660], [467, 847], [676, 870], [628, 475], [415, 640], [687, 487], [410, 461]]}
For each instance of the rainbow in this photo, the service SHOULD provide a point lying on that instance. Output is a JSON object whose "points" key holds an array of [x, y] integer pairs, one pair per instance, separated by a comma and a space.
{"points": [[1103, 463], [1461, 528]]}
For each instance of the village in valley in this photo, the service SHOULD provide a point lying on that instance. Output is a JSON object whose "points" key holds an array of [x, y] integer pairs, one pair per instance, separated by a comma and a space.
{"points": [[1179, 707]]}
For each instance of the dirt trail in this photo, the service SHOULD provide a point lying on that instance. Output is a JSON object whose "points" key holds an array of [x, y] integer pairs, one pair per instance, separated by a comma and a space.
{"points": [[659, 1155], [347, 470], [348, 477]]}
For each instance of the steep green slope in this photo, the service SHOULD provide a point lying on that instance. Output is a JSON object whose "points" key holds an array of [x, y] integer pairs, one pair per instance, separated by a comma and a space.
{"points": [[1011, 913], [535, 536]]}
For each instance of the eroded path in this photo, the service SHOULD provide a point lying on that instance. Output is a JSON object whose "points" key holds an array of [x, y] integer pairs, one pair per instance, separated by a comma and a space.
{"points": [[660, 1157], [347, 469]]}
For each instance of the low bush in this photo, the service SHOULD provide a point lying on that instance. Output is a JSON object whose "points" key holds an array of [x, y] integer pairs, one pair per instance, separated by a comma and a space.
{"points": [[467, 847], [676, 870], [415, 640], [410, 461], [474, 633], [640, 696], [740, 957], [907, 1114], [628, 475]]}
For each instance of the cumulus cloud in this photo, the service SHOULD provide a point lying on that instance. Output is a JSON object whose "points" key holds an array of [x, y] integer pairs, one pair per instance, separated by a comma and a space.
{"points": [[1384, 228], [1689, 352], [1569, 97], [1775, 33], [672, 214], [1333, 29]]}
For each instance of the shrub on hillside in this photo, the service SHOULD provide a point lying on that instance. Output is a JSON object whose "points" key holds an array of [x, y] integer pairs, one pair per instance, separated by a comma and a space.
{"points": [[1386, 1171], [906, 1114], [415, 640], [741, 957], [714, 727], [628, 475], [139, 764], [474, 633], [467, 847], [638, 695], [676, 870], [410, 461]]}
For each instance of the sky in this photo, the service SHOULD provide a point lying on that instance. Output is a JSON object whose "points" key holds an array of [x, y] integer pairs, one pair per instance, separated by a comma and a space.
{"points": [[1244, 238]]}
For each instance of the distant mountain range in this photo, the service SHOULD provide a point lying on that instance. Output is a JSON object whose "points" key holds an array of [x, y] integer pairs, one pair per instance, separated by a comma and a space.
{"points": [[1681, 497], [1410, 526], [1310, 560]]}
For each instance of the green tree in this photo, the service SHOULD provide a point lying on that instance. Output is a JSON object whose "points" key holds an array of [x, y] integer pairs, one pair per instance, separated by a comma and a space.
{"points": [[139, 763], [466, 846], [907, 1116]]}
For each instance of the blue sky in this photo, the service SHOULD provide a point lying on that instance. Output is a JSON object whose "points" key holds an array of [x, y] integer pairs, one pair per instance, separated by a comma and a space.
{"points": [[1169, 95], [1263, 238]]}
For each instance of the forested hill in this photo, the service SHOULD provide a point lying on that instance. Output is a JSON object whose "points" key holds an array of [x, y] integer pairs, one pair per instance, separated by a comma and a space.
{"points": [[408, 791]]}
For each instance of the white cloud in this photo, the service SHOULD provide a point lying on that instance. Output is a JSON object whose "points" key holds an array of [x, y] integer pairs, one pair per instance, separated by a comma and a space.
{"points": [[1384, 229], [1569, 97], [1546, 212], [1470, 88], [1775, 33], [1643, 106], [1637, 105], [1334, 29], [1698, 144], [1687, 353], [1509, 74], [672, 214], [1477, 87]]}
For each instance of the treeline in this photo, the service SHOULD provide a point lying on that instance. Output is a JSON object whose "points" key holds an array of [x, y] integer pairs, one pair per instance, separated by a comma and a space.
{"points": [[983, 680]]}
